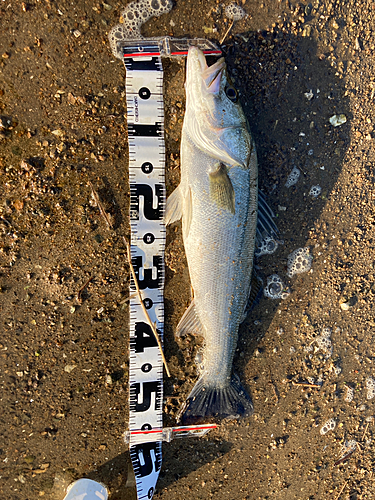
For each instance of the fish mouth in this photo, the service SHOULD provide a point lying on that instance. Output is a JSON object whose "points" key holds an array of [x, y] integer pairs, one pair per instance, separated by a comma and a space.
{"points": [[211, 75]]}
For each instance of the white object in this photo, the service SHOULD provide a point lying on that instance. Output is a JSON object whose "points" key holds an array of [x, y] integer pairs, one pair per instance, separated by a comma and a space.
{"points": [[86, 489], [337, 120], [235, 12], [345, 306], [133, 16], [349, 394], [370, 386], [275, 288], [328, 426], [268, 246], [299, 261], [293, 177], [315, 191], [324, 342]]}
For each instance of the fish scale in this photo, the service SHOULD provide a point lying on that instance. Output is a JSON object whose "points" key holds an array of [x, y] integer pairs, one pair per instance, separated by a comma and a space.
{"points": [[220, 272]]}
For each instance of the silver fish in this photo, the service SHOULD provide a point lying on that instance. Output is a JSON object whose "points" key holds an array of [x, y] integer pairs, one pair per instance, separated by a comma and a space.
{"points": [[218, 202]]}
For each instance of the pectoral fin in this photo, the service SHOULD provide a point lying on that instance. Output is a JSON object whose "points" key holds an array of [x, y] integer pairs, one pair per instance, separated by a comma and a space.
{"points": [[221, 188]]}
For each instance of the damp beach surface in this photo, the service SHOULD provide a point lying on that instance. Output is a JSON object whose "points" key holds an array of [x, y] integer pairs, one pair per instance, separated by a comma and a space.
{"points": [[306, 359]]}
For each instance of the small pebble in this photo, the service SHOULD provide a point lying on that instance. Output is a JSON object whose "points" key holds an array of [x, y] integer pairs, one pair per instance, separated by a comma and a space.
{"points": [[69, 368]]}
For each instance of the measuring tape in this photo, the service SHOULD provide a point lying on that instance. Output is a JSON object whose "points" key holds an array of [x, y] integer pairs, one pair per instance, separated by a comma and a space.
{"points": [[145, 112], [145, 116]]}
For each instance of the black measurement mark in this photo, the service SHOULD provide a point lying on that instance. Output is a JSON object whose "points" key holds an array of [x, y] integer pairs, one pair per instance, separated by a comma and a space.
{"points": [[143, 337], [148, 281], [145, 130], [148, 388], [150, 65], [147, 167], [146, 458], [147, 367], [146, 427], [148, 303], [144, 93], [150, 213], [149, 238]]}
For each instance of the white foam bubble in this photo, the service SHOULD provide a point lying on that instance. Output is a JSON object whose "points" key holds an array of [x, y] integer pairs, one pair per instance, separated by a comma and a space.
{"points": [[349, 394], [328, 426], [337, 370], [132, 17], [299, 261], [275, 288], [293, 177], [370, 385], [235, 12], [315, 191], [326, 332], [324, 342], [267, 247]]}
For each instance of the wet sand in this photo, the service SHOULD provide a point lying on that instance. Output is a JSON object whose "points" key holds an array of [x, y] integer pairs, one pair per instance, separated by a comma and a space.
{"points": [[64, 276]]}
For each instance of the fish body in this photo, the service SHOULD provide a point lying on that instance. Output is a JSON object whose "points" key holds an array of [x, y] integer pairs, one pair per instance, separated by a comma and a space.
{"points": [[217, 200]]}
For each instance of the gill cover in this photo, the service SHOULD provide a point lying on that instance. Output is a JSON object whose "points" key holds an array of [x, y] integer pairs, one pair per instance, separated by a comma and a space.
{"points": [[213, 121]]}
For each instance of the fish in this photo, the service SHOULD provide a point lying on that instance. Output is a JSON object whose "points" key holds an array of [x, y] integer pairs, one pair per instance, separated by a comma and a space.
{"points": [[217, 201]]}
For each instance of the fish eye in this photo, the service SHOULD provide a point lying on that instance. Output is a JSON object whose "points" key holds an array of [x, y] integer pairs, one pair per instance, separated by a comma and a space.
{"points": [[231, 93]]}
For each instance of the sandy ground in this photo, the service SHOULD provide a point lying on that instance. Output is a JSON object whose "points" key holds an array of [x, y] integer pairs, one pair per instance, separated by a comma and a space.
{"points": [[64, 276]]}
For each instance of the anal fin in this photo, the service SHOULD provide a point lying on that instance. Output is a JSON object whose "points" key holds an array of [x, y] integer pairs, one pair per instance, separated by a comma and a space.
{"points": [[190, 323]]}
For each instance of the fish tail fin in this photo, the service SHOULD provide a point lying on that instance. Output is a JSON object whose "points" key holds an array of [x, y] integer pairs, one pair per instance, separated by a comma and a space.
{"points": [[207, 402]]}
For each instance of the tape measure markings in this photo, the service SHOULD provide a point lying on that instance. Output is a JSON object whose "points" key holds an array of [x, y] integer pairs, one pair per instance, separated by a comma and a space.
{"points": [[145, 116]]}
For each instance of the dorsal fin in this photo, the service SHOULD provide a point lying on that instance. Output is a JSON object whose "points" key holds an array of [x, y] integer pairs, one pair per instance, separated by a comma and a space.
{"points": [[267, 234]]}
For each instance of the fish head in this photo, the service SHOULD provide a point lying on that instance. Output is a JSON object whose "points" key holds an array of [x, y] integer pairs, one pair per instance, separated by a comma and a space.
{"points": [[214, 118]]}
